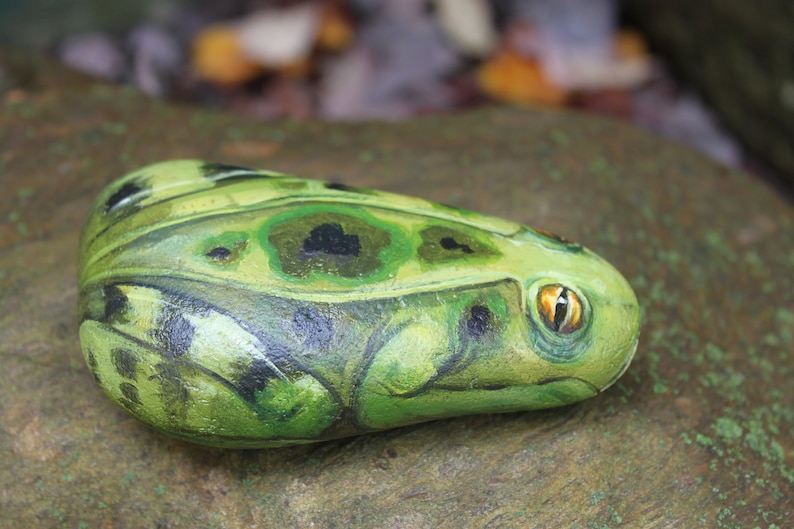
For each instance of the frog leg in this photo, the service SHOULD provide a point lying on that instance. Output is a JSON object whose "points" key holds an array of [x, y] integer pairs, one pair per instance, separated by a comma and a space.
{"points": [[403, 365]]}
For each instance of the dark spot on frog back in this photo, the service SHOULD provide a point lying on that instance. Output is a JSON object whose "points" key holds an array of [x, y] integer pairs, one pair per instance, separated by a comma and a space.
{"points": [[331, 239], [443, 244], [219, 253], [329, 243], [449, 243], [224, 248], [226, 254], [126, 197]]}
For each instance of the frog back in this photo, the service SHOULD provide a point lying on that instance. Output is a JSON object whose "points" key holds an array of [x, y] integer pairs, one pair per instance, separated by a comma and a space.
{"points": [[297, 237]]}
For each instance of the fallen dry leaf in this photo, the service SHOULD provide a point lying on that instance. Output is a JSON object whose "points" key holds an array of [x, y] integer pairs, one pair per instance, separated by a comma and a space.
{"points": [[335, 31], [509, 76], [219, 58]]}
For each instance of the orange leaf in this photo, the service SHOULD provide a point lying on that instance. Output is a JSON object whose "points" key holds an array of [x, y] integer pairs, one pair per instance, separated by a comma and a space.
{"points": [[217, 57], [630, 45], [511, 77], [335, 31]]}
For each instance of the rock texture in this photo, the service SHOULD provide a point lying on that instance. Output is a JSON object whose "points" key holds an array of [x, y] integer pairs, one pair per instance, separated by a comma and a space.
{"points": [[739, 54], [699, 432]]}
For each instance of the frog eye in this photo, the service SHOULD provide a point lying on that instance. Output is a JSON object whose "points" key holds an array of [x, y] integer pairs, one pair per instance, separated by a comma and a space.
{"points": [[560, 309]]}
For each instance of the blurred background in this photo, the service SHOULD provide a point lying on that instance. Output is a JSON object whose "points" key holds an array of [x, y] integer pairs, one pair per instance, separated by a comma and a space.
{"points": [[717, 75]]}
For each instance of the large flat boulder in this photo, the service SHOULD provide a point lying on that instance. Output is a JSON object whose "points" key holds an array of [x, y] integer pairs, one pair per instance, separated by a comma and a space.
{"points": [[698, 433]]}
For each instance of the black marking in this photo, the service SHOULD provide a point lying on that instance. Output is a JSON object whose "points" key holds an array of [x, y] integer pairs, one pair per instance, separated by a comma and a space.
{"points": [[337, 186], [212, 170], [222, 253], [91, 360], [122, 196], [329, 243], [173, 391], [125, 362], [175, 335], [130, 392], [561, 309], [449, 243], [315, 329], [479, 321], [443, 243], [255, 379], [92, 365], [116, 302], [223, 174], [219, 253], [330, 239]]}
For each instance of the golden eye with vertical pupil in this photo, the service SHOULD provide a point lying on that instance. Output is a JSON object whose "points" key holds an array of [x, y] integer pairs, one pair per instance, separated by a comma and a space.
{"points": [[560, 309]]}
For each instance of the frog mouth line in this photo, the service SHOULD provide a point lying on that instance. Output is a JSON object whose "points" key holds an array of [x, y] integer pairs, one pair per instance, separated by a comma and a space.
{"points": [[497, 387]]}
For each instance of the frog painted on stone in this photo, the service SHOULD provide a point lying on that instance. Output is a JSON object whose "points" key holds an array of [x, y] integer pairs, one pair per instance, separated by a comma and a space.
{"points": [[242, 308]]}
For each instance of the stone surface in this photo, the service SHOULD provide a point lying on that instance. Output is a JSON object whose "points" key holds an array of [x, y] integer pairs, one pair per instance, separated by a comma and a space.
{"points": [[699, 432], [739, 54]]}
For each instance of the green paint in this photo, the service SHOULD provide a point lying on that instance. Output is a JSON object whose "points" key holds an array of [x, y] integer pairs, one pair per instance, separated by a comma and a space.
{"points": [[313, 241], [441, 244], [240, 308]]}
